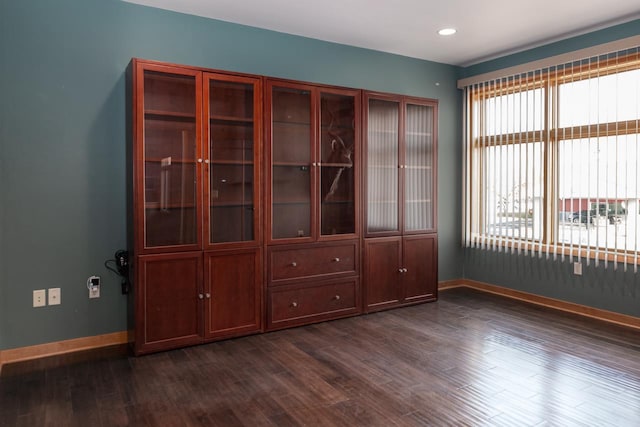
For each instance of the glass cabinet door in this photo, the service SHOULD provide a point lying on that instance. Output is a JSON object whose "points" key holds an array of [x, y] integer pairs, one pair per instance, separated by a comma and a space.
{"points": [[291, 163], [383, 121], [171, 112], [232, 169], [418, 168], [337, 157]]}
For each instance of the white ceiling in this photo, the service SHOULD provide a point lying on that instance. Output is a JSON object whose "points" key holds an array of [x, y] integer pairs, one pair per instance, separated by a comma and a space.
{"points": [[486, 28]]}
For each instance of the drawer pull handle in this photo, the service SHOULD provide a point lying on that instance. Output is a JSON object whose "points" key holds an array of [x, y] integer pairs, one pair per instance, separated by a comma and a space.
{"points": [[336, 259], [294, 264], [337, 298], [200, 296], [294, 304]]}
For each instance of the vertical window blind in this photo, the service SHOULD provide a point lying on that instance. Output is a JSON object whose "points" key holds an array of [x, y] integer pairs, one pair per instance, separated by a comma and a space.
{"points": [[552, 161]]}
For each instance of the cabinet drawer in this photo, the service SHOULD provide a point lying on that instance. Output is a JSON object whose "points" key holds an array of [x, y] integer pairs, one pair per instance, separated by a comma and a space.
{"points": [[306, 304], [292, 263]]}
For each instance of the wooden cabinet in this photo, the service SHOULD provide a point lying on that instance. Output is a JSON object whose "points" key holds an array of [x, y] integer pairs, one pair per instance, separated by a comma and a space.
{"points": [[400, 209], [168, 128], [420, 267], [400, 270], [168, 310], [401, 164], [233, 295], [233, 132], [293, 262], [312, 220], [196, 190], [382, 272], [295, 304], [213, 150], [312, 155]]}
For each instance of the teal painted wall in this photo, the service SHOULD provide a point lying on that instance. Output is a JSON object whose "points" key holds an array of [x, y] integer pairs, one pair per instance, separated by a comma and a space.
{"points": [[606, 35], [4, 107], [607, 289], [63, 164]]}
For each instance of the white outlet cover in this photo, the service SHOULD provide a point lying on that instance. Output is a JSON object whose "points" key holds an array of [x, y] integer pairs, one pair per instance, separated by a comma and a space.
{"points": [[577, 268], [54, 296], [39, 298], [94, 292]]}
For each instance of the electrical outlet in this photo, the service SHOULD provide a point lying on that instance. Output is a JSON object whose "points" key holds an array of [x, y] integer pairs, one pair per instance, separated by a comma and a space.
{"points": [[577, 268], [40, 298], [54, 296], [93, 284], [94, 292]]}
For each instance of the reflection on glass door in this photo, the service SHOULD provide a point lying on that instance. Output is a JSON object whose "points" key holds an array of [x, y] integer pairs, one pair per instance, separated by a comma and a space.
{"points": [[337, 177], [170, 144], [418, 209], [231, 161], [291, 163], [382, 166]]}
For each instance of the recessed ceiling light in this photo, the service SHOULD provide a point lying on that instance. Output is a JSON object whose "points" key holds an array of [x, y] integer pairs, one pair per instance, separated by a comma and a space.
{"points": [[447, 31]]}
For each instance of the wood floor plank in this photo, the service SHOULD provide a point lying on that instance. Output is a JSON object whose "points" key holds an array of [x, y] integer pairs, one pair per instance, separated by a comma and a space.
{"points": [[469, 359]]}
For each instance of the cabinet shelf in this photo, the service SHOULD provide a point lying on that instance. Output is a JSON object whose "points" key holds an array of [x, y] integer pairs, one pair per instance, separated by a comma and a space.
{"points": [[162, 159], [232, 205], [398, 166], [384, 166], [291, 123], [291, 202], [239, 120], [169, 115], [338, 127], [232, 162], [292, 164], [169, 206], [338, 202], [383, 132], [335, 165]]}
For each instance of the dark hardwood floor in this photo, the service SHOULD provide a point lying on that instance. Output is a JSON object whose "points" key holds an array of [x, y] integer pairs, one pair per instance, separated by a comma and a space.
{"points": [[469, 359]]}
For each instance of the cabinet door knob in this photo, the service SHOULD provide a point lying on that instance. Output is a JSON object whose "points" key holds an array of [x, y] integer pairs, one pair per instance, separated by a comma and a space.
{"points": [[207, 161], [313, 164], [404, 270], [208, 295], [337, 297], [400, 270], [294, 304], [199, 160], [200, 296], [336, 259], [294, 264]]}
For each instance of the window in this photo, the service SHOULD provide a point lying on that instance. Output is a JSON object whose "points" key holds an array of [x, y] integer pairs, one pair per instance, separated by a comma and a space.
{"points": [[552, 163]]}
